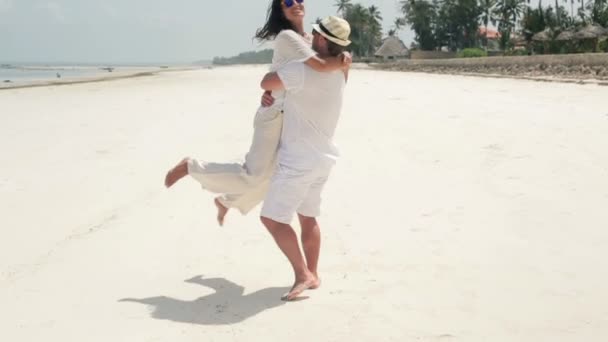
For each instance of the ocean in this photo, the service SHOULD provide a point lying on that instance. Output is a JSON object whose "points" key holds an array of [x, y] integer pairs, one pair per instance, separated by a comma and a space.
{"points": [[15, 75], [26, 74]]}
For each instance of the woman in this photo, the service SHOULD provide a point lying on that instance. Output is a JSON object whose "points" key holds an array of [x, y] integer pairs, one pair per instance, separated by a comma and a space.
{"points": [[243, 186]]}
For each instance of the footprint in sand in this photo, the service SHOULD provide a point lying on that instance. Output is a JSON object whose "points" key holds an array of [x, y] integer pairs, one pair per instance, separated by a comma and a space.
{"points": [[493, 147], [494, 154]]}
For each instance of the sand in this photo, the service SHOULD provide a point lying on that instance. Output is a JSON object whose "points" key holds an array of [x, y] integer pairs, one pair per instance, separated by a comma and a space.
{"points": [[462, 209]]}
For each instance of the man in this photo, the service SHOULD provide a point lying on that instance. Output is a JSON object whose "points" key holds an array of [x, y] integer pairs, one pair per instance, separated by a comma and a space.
{"points": [[306, 154]]}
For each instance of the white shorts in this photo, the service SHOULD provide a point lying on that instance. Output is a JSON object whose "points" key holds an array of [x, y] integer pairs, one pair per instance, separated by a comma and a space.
{"points": [[294, 191]]}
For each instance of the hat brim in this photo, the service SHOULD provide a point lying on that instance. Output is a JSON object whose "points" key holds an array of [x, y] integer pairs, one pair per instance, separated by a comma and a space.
{"points": [[330, 38]]}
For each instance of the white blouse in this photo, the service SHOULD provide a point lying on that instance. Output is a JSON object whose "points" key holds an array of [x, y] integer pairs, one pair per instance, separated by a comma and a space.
{"points": [[289, 47]]}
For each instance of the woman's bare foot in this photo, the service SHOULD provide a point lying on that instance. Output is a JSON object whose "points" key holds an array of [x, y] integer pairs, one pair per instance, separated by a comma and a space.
{"points": [[221, 211], [178, 172], [299, 287]]}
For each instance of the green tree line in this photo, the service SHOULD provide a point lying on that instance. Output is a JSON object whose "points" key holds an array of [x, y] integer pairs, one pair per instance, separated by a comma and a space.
{"points": [[249, 57], [366, 35], [454, 23]]}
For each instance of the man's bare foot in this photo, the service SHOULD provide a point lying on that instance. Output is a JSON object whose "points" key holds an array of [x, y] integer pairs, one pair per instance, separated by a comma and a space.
{"points": [[221, 211], [316, 284], [299, 287], [176, 173]]}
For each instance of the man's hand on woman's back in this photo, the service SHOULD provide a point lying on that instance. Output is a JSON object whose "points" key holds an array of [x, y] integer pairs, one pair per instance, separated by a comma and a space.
{"points": [[347, 60]]}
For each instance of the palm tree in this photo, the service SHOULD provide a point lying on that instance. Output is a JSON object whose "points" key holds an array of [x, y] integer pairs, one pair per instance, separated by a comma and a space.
{"points": [[343, 6], [421, 15], [375, 28], [374, 13], [571, 8], [357, 16], [398, 24], [508, 12], [598, 12], [487, 7]]}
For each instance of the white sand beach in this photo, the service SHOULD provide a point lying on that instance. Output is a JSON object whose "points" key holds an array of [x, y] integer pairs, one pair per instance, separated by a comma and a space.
{"points": [[462, 209]]}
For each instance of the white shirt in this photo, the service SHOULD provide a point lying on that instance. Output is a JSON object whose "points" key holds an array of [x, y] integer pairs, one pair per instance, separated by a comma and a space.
{"points": [[289, 47], [312, 107]]}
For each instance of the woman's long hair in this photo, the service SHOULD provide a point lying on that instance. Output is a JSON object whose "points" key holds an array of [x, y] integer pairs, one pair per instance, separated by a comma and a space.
{"points": [[275, 22]]}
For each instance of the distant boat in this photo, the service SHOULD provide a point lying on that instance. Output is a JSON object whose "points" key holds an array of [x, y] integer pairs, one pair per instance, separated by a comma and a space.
{"points": [[58, 75], [108, 69], [8, 81]]}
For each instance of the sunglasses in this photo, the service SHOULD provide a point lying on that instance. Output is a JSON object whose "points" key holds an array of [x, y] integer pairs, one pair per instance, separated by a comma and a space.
{"points": [[289, 3]]}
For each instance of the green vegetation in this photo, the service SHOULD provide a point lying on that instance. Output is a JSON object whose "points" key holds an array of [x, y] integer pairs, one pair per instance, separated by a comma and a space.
{"points": [[366, 27], [453, 25], [250, 57], [472, 53]]}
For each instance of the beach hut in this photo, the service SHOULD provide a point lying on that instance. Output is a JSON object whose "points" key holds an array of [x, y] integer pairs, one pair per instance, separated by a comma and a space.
{"points": [[518, 41], [565, 36], [543, 36], [392, 48], [593, 33]]}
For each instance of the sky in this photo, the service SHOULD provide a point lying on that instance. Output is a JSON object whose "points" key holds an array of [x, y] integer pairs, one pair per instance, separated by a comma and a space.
{"points": [[144, 31]]}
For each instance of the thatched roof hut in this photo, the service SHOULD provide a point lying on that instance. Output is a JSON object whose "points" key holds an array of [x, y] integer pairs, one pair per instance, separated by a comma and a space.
{"points": [[591, 31], [566, 36], [392, 47], [543, 36], [517, 39]]}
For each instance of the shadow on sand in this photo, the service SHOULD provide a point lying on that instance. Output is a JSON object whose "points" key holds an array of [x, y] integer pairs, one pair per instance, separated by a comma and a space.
{"points": [[226, 306]]}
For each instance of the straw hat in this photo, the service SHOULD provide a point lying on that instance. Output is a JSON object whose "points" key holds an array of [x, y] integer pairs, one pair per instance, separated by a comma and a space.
{"points": [[334, 29]]}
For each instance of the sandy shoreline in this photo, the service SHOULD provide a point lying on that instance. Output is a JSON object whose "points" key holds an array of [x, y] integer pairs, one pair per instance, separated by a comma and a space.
{"points": [[117, 75], [523, 77], [571, 68], [581, 80], [462, 209]]}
